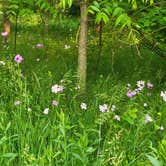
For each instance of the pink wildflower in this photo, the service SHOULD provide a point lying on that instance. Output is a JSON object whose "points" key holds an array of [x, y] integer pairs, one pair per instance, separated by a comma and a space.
{"points": [[39, 45], [130, 94], [18, 58], [17, 102], [56, 88], [149, 85], [103, 108], [140, 85], [4, 34], [54, 103], [148, 119]]}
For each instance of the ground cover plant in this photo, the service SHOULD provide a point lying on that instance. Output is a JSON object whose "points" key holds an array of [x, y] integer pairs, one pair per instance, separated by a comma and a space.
{"points": [[46, 120]]}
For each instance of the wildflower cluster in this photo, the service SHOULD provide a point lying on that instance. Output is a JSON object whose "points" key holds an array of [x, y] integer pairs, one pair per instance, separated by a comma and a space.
{"points": [[57, 88], [139, 87]]}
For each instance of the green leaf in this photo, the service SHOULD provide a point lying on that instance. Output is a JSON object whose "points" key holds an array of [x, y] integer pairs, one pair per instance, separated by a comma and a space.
{"points": [[154, 161], [77, 156], [120, 19], [130, 115], [70, 2], [98, 18], [3, 139], [96, 4], [10, 155], [105, 17], [151, 2], [91, 11], [90, 150], [8, 126], [117, 11], [95, 8], [134, 5], [107, 11]]}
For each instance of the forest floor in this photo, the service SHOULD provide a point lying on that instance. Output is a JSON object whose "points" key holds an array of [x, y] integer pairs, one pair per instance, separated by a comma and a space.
{"points": [[44, 120]]}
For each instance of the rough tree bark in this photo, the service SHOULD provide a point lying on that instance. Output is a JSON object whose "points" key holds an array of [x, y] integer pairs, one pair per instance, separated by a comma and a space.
{"points": [[82, 49]]}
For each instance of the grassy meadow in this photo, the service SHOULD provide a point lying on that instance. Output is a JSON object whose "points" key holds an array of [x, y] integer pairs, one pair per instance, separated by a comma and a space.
{"points": [[45, 122]]}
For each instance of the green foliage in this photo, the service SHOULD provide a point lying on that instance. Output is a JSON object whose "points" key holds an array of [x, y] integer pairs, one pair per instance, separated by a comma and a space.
{"points": [[43, 5], [130, 115], [154, 161], [65, 3], [152, 22], [102, 10]]}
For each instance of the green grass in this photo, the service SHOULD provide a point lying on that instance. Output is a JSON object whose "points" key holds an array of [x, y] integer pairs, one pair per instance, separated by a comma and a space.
{"points": [[69, 135]]}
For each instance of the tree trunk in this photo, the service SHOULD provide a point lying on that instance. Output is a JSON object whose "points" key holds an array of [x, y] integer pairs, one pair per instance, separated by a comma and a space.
{"points": [[6, 21], [82, 49]]}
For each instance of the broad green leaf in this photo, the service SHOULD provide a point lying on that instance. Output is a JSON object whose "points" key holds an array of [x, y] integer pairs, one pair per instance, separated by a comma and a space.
{"points": [[105, 17], [120, 19], [98, 18], [95, 8], [8, 126], [77, 156], [117, 11], [151, 2], [134, 5], [96, 4], [3, 139], [70, 2], [10, 155], [91, 11], [107, 11], [154, 161]]}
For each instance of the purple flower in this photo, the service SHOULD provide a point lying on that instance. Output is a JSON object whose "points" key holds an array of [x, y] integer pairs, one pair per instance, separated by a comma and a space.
{"points": [[130, 94], [4, 34], [148, 119], [117, 117], [56, 88], [103, 108], [17, 102], [54, 103], [140, 85], [149, 85], [18, 58], [39, 45]]}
